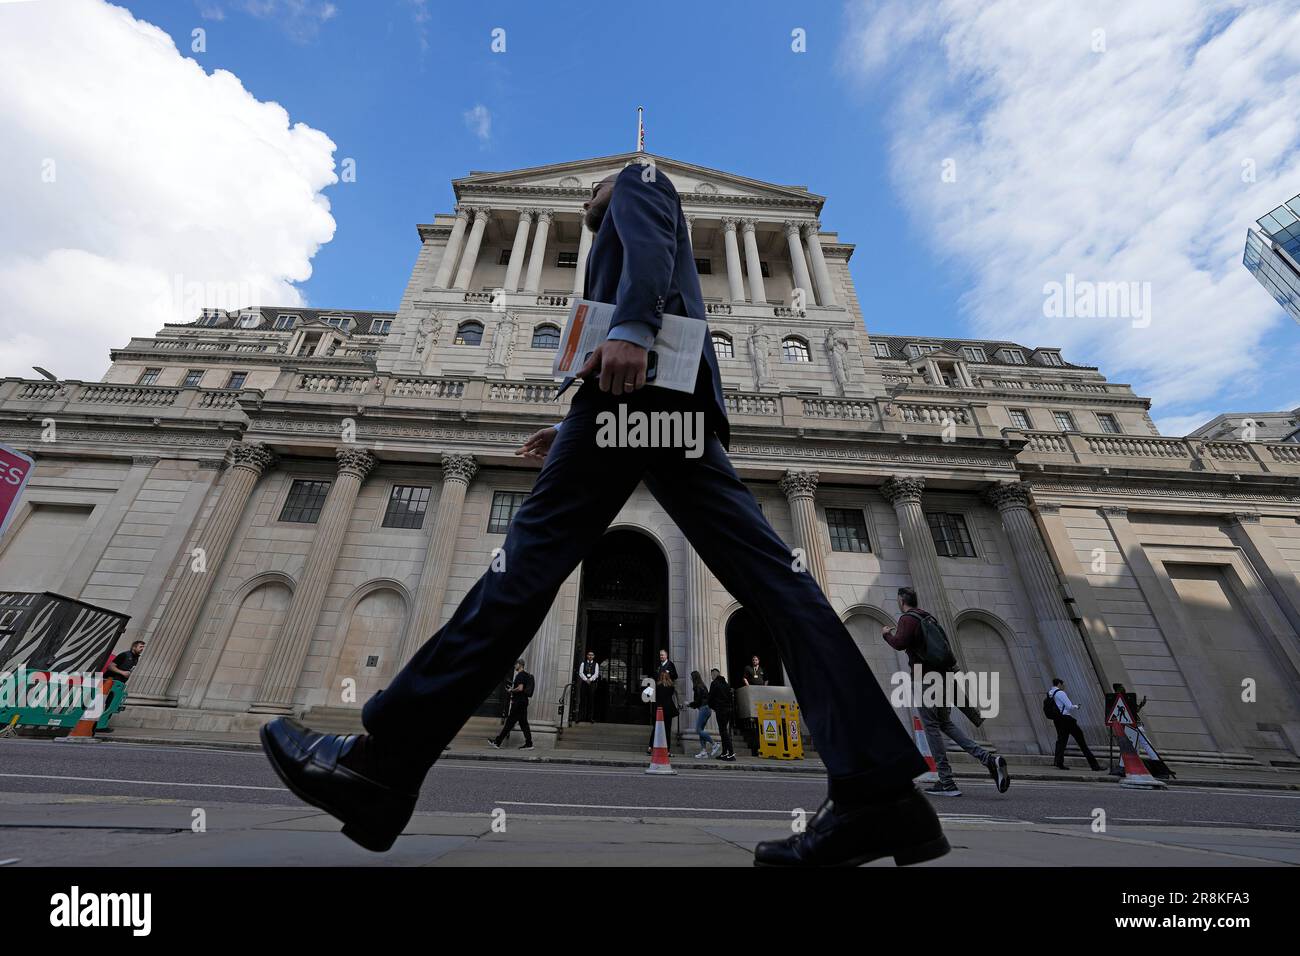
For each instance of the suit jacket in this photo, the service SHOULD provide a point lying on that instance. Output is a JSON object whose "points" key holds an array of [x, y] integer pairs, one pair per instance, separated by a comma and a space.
{"points": [[641, 261], [670, 668]]}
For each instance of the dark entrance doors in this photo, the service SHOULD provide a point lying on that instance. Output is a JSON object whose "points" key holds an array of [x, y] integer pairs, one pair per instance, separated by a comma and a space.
{"points": [[623, 619], [747, 635]]}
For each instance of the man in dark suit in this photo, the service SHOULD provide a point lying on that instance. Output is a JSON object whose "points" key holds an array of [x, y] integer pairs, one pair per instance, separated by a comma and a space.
{"points": [[641, 260], [666, 665], [521, 688]]}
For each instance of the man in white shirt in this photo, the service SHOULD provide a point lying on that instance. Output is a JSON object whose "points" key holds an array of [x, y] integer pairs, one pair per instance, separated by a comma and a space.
{"points": [[588, 674], [1067, 726]]}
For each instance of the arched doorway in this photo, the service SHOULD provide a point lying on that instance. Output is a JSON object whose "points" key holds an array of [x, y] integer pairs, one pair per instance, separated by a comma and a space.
{"points": [[747, 636], [984, 643], [864, 625], [371, 645], [622, 617]]}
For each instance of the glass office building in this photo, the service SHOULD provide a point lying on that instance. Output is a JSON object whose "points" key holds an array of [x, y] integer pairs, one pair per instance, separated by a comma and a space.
{"points": [[1273, 255]]}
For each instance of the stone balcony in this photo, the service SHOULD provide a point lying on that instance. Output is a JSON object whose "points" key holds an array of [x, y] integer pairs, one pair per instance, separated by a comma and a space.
{"points": [[1111, 453], [42, 399]]}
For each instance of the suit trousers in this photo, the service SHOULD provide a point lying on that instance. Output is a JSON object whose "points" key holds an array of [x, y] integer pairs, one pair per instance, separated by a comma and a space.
{"points": [[583, 484]]}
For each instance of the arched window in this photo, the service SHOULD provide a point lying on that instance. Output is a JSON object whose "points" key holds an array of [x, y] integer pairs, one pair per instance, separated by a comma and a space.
{"points": [[722, 345], [469, 333], [795, 349], [546, 337]]}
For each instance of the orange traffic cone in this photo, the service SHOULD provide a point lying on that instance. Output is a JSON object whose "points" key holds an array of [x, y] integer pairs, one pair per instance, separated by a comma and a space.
{"points": [[85, 729], [1136, 773], [659, 758], [923, 745]]}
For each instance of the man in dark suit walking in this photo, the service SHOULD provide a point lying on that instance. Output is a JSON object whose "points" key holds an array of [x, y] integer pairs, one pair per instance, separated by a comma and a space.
{"points": [[641, 261], [521, 688]]}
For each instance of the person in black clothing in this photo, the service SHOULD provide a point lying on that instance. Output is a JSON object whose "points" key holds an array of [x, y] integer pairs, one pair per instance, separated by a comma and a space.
{"points": [[666, 665], [588, 674], [720, 704], [120, 667], [665, 697], [755, 676], [521, 688]]}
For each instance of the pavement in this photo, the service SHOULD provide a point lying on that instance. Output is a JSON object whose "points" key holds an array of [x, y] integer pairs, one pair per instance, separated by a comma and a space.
{"points": [[120, 804]]}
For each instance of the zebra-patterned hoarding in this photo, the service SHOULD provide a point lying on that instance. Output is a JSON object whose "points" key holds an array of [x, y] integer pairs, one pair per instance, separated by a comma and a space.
{"points": [[44, 631]]}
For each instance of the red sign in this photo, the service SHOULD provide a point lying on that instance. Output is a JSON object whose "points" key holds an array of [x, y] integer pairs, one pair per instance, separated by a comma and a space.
{"points": [[15, 469]]}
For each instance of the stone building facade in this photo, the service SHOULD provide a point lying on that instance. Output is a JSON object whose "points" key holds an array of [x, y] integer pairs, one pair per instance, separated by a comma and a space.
{"points": [[289, 501]]}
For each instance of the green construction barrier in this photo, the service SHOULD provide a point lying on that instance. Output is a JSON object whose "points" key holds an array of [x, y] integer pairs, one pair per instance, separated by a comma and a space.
{"points": [[25, 703]]}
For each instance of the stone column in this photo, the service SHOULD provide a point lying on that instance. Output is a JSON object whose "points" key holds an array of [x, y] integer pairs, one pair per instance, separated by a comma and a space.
{"points": [[517, 250], [540, 659], [800, 488], [690, 231], [702, 644], [280, 680], [904, 493], [584, 249], [753, 264], [470, 259], [797, 263], [733, 261], [453, 248], [1269, 563], [538, 258], [167, 646], [1066, 653], [825, 295], [457, 472]]}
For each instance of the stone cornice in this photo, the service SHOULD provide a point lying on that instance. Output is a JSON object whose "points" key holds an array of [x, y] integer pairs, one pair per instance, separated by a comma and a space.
{"points": [[1102, 487], [1018, 396], [486, 192]]}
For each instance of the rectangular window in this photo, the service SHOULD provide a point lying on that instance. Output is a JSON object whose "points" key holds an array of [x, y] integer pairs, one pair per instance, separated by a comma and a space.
{"points": [[237, 380], [1051, 358], [504, 258], [406, 507], [848, 527], [381, 326], [1064, 421], [974, 353], [208, 319], [704, 267], [149, 376], [305, 501], [1014, 356], [1109, 424], [193, 377], [1019, 418], [504, 506], [284, 322], [951, 537], [566, 260], [881, 349], [250, 321], [339, 322]]}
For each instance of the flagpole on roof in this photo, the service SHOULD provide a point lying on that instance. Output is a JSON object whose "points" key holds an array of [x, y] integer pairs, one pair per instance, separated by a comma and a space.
{"points": [[640, 130]]}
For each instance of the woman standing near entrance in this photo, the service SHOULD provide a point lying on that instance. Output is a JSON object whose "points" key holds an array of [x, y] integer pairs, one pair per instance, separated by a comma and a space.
{"points": [[665, 697], [700, 700]]}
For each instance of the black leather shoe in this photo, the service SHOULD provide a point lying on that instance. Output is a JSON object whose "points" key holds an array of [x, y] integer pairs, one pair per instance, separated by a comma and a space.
{"points": [[907, 829], [373, 814]]}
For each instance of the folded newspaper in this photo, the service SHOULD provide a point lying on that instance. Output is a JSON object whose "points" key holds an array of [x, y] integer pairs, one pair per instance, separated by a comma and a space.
{"points": [[676, 350]]}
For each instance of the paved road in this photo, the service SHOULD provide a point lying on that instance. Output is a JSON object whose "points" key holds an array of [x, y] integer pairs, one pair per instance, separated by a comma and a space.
{"points": [[134, 804]]}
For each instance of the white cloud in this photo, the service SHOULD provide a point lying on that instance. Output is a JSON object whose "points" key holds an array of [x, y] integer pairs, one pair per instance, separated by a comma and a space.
{"points": [[172, 188], [1118, 166], [479, 122], [301, 20]]}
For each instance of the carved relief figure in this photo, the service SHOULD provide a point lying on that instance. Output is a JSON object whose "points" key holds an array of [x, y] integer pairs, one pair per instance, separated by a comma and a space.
{"points": [[758, 357], [837, 351], [503, 342]]}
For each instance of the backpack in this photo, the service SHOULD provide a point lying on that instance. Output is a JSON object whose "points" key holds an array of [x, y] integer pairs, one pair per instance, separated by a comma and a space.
{"points": [[1050, 709], [933, 650]]}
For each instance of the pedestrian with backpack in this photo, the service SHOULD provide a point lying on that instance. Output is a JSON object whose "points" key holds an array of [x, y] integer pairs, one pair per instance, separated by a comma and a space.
{"points": [[1060, 711], [920, 634]]}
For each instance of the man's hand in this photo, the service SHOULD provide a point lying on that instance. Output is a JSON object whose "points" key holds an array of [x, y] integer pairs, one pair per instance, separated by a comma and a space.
{"points": [[621, 366], [538, 444]]}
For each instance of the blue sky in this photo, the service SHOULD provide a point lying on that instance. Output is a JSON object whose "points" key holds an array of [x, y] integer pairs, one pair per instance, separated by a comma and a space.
{"points": [[977, 152]]}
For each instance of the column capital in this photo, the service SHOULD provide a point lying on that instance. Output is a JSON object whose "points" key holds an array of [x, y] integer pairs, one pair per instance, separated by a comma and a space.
{"points": [[355, 461], [544, 215], [1005, 495], [810, 229], [459, 467], [690, 219], [254, 456], [463, 211], [483, 212], [527, 215], [748, 225], [729, 223], [792, 227], [798, 483], [903, 489]]}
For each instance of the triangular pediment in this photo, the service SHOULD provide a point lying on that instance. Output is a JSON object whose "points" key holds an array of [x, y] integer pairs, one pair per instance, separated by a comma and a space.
{"points": [[690, 179]]}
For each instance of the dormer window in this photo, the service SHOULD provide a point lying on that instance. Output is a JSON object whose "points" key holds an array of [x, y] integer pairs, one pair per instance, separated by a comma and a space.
{"points": [[881, 349], [250, 321], [1014, 356], [917, 349], [381, 326], [340, 322], [209, 319], [1050, 358], [284, 322], [974, 353]]}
